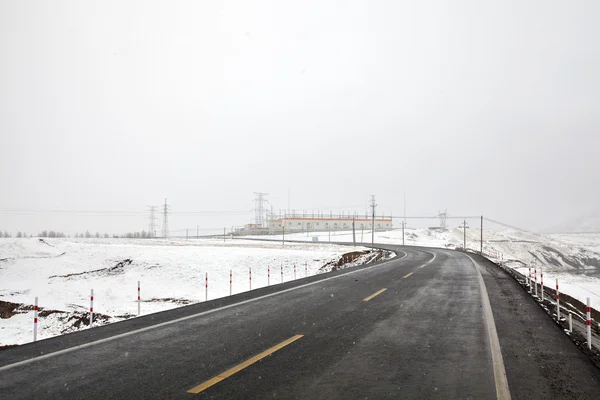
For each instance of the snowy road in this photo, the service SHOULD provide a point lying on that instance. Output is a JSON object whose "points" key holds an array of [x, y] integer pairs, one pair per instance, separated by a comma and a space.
{"points": [[412, 327]]}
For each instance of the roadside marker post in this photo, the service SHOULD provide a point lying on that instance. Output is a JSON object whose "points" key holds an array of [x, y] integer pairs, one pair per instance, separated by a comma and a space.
{"points": [[535, 274], [294, 271], [281, 273], [529, 280], [139, 300], [35, 319], [250, 276], [206, 288], [230, 282], [542, 282], [589, 324], [91, 307], [570, 322], [305, 269], [269, 276], [557, 302]]}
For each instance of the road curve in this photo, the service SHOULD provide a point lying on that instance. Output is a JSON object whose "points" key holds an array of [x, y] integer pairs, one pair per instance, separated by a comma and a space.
{"points": [[414, 327]]}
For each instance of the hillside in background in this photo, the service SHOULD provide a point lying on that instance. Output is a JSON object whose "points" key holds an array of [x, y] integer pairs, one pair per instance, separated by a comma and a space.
{"points": [[584, 224]]}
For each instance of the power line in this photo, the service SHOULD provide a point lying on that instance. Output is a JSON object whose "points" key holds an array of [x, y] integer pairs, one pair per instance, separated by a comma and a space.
{"points": [[114, 213], [507, 225]]}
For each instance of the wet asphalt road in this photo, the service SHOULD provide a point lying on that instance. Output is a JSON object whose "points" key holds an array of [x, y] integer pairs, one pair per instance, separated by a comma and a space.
{"points": [[424, 336]]}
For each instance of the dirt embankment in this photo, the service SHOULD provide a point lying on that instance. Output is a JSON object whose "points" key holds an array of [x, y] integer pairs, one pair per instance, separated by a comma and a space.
{"points": [[355, 258]]}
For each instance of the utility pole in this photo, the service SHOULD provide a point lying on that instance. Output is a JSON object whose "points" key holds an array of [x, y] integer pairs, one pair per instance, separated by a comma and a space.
{"points": [[481, 248], [353, 232], [152, 218], [403, 224], [465, 227], [165, 227], [373, 205]]}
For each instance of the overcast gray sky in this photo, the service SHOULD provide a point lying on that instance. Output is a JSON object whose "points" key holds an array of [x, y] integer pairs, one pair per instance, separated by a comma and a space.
{"points": [[475, 106]]}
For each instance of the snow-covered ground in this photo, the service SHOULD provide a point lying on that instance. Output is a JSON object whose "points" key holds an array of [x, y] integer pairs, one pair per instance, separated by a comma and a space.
{"points": [[572, 258], [61, 273]]}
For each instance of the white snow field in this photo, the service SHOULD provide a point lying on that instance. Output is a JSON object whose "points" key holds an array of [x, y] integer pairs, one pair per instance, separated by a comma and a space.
{"points": [[572, 258], [61, 273]]}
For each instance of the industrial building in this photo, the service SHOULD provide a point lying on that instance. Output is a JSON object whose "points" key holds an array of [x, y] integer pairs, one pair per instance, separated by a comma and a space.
{"points": [[320, 223]]}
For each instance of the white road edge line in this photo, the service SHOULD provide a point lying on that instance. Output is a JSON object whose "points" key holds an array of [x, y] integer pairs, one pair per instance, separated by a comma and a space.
{"points": [[430, 261], [502, 390], [148, 328]]}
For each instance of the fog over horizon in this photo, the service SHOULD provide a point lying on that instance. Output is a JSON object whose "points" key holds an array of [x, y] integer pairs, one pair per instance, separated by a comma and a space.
{"points": [[479, 108]]}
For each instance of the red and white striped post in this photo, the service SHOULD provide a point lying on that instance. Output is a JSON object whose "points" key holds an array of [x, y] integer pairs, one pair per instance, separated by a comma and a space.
{"points": [[35, 319], [139, 300], [557, 302], [282, 273], [206, 288], [250, 276], [91, 307], [294, 271], [542, 282], [230, 282], [268, 276], [535, 274], [529, 280], [305, 269], [589, 323]]}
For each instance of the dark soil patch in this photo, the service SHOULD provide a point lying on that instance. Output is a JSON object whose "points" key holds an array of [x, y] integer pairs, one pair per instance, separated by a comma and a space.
{"points": [[77, 320], [351, 257], [118, 268], [168, 300], [7, 309]]}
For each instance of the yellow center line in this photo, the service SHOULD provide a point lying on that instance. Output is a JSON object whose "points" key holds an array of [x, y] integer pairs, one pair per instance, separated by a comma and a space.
{"points": [[239, 367], [375, 294], [407, 275]]}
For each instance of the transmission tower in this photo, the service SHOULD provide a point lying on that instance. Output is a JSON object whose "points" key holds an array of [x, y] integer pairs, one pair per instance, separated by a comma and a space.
{"points": [[152, 224], [259, 210], [165, 226], [443, 216]]}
